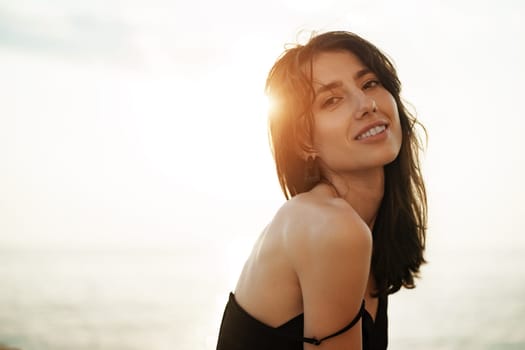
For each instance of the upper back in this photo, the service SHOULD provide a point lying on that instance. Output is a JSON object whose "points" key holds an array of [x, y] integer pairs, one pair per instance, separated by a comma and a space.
{"points": [[310, 232]]}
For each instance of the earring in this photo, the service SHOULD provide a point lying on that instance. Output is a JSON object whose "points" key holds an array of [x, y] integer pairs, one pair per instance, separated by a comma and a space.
{"points": [[312, 175]]}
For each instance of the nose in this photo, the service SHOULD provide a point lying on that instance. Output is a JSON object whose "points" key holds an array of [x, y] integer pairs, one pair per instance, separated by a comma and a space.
{"points": [[366, 105]]}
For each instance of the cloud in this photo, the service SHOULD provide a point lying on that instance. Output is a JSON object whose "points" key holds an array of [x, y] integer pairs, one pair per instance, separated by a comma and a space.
{"points": [[66, 33]]}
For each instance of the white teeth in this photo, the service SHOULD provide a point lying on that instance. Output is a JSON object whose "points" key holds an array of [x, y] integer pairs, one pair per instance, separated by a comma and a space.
{"points": [[374, 131]]}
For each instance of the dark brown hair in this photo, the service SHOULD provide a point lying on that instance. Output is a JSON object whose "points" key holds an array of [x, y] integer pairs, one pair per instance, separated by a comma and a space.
{"points": [[400, 226]]}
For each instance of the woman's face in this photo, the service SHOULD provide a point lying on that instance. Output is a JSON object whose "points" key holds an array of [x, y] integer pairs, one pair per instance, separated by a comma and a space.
{"points": [[356, 119]]}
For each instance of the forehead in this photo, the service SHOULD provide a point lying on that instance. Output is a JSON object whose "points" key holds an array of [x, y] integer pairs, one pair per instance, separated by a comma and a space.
{"points": [[335, 65]]}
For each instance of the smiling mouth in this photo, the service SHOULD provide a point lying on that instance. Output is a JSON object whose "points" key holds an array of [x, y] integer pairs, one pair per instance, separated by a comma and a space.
{"points": [[371, 132]]}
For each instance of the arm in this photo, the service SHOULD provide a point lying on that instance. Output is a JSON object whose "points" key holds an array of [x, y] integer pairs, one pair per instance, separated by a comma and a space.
{"points": [[332, 262]]}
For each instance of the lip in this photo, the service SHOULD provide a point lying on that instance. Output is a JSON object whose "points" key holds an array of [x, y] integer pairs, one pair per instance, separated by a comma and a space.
{"points": [[370, 126]]}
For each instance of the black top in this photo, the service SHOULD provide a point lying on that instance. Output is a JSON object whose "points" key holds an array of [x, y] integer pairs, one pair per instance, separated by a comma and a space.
{"points": [[241, 331]]}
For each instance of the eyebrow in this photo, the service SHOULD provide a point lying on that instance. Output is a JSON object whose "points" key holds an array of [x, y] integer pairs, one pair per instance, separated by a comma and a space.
{"points": [[338, 83]]}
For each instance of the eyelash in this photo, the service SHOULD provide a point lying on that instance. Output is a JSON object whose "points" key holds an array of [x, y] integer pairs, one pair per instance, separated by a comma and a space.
{"points": [[375, 83], [330, 101], [368, 85]]}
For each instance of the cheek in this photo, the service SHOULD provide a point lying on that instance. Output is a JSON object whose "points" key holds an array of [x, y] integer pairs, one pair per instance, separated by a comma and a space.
{"points": [[399, 139], [396, 123], [328, 145], [325, 132], [398, 130], [388, 101]]}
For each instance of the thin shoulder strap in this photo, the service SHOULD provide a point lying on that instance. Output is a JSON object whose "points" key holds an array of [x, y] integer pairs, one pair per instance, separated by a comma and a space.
{"points": [[356, 319]]}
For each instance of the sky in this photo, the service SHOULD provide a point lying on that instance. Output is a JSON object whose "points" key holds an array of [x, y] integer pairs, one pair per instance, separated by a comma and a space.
{"points": [[143, 124]]}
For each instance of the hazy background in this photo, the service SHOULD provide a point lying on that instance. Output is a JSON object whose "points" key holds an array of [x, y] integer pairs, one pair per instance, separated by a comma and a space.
{"points": [[135, 172]]}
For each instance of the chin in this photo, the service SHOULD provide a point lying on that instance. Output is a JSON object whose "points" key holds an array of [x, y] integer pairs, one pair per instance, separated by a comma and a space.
{"points": [[388, 156]]}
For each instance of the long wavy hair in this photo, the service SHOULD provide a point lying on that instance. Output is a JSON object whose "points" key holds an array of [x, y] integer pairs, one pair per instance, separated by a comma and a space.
{"points": [[400, 226]]}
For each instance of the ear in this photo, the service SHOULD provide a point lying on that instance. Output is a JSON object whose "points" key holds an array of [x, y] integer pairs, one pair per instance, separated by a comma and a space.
{"points": [[310, 153], [305, 149], [304, 138]]}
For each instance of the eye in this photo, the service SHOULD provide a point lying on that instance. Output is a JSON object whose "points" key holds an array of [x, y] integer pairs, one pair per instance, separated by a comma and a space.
{"points": [[371, 84], [331, 101]]}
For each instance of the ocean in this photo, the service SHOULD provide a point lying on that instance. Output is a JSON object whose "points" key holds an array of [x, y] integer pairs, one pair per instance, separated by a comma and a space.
{"points": [[173, 298]]}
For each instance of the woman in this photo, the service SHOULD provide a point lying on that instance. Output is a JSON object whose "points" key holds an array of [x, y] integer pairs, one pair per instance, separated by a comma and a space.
{"points": [[353, 229]]}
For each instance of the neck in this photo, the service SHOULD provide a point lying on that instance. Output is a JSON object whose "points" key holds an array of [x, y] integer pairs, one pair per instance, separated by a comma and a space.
{"points": [[363, 191]]}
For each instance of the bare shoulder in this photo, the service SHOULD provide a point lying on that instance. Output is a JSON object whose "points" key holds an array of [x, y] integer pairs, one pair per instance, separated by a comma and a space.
{"points": [[312, 223], [330, 248]]}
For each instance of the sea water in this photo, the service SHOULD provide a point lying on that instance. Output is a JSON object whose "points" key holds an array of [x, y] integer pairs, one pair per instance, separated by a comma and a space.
{"points": [[59, 299]]}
